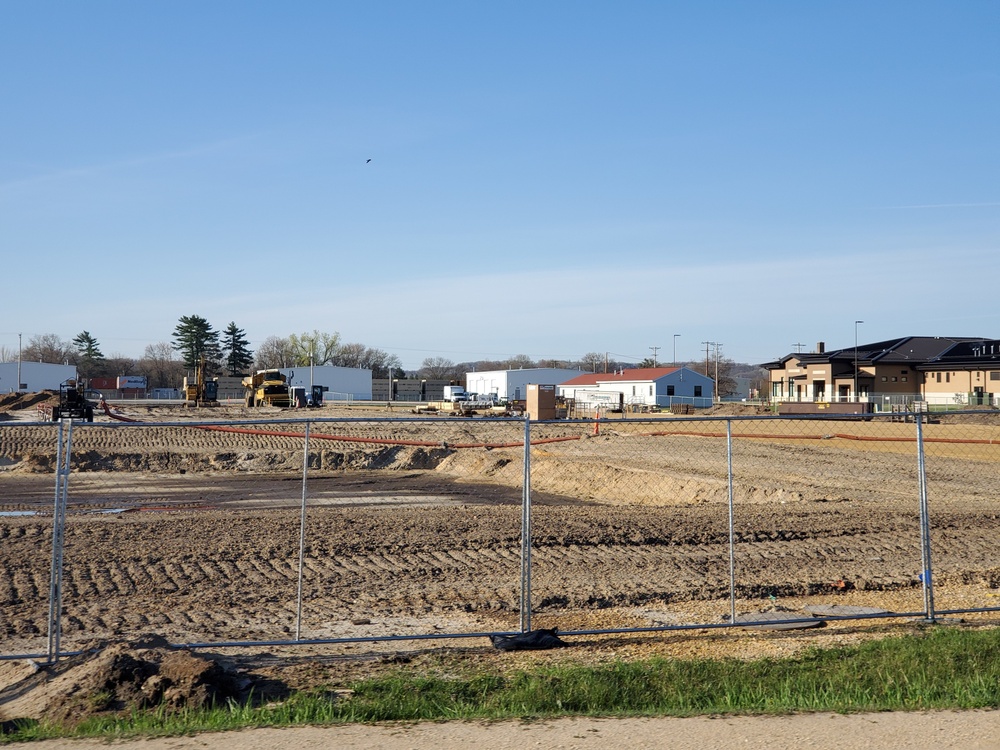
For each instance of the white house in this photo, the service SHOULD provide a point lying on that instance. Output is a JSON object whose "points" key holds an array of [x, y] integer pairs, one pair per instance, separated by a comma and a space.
{"points": [[513, 384], [646, 386], [35, 376], [341, 383]]}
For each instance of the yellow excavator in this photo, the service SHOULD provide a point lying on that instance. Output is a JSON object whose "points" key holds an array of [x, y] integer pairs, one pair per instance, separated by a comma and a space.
{"points": [[267, 388], [202, 392]]}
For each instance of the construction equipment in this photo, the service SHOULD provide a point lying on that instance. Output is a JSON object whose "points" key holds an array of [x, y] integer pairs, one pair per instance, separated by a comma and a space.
{"points": [[72, 403], [202, 392], [267, 388]]}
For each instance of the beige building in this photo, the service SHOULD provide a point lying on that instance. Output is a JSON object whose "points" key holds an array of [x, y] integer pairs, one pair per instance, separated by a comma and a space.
{"points": [[937, 370]]}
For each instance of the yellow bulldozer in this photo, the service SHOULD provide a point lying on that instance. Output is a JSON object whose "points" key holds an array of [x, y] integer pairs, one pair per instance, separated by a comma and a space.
{"points": [[267, 388]]}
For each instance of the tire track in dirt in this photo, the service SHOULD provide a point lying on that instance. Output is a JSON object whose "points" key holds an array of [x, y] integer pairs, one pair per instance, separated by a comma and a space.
{"points": [[458, 579]]}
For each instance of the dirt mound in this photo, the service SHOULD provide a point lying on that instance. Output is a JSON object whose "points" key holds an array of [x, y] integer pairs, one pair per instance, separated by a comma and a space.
{"points": [[119, 678], [18, 401]]}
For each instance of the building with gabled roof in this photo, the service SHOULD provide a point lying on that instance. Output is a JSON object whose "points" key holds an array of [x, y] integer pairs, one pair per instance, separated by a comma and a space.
{"points": [[935, 369], [644, 386]]}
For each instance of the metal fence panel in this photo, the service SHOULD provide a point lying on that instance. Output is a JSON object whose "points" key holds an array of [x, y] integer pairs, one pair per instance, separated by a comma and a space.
{"points": [[328, 529], [962, 459]]}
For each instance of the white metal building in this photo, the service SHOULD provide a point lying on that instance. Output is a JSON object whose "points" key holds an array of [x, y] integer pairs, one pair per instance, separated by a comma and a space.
{"points": [[513, 384], [341, 383], [35, 376], [647, 386]]}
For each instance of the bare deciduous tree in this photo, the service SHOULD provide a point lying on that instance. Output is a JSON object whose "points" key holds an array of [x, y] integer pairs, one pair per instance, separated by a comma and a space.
{"points": [[593, 361], [49, 348], [275, 352], [119, 364], [438, 368], [160, 367]]}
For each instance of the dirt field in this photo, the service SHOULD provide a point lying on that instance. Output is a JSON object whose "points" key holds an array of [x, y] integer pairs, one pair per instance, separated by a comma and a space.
{"points": [[193, 535]]}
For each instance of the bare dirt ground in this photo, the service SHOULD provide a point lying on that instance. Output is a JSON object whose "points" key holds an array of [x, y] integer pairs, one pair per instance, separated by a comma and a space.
{"points": [[192, 536]]}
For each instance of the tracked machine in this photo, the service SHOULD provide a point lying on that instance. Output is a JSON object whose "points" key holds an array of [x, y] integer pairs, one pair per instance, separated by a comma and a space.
{"points": [[203, 391]]}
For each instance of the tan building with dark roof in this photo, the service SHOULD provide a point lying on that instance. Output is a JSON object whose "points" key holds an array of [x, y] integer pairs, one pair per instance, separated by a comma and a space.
{"points": [[936, 370]]}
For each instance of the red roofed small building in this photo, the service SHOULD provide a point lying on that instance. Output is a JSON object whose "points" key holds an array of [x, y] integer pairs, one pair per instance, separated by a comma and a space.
{"points": [[645, 386]]}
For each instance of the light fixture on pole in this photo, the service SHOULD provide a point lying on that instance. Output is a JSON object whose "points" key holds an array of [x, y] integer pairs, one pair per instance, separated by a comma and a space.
{"points": [[675, 348], [856, 324]]}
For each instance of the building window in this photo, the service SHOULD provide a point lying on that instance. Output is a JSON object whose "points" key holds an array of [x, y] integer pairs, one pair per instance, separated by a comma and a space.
{"points": [[884, 378], [947, 377], [650, 390], [938, 376], [903, 372], [995, 376], [697, 391], [670, 390], [893, 378], [903, 378]]}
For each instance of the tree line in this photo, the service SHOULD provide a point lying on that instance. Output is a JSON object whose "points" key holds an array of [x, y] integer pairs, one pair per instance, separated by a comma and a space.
{"points": [[227, 352]]}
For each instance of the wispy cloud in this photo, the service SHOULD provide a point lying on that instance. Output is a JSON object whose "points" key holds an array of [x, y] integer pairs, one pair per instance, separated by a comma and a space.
{"points": [[12, 187]]}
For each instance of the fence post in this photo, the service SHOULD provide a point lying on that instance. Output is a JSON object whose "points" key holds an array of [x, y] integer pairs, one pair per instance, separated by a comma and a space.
{"points": [[64, 438], [302, 532], [732, 523], [525, 604], [926, 575]]}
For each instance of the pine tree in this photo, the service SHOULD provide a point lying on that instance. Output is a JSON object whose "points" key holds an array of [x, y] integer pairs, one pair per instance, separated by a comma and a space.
{"points": [[234, 346], [90, 358], [195, 338]]}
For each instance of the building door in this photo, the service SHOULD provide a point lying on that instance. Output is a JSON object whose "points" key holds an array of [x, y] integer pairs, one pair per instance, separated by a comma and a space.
{"points": [[819, 390]]}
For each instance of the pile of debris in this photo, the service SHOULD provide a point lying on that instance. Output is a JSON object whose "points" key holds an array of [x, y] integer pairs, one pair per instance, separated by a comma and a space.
{"points": [[120, 678]]}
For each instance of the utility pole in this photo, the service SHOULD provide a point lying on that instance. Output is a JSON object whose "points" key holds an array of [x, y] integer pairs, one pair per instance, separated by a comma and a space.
{"points": [[708, 344], [798, 348], [655, 350], [675, 348], [18, 363], [716, 388]]}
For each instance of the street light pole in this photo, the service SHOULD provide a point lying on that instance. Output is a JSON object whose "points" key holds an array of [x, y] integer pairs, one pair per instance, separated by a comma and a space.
{"points": [[18, 363], [675, 348], [856, 324]]}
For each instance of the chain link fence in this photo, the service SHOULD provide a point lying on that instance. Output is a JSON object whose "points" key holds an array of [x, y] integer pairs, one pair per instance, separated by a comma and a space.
{"points": [[331, 530]]}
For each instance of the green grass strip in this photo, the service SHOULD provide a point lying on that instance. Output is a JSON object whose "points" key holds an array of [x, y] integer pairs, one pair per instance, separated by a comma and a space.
{"points": [[940, 668]]}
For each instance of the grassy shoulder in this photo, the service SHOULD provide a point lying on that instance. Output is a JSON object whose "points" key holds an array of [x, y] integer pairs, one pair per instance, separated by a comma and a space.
{"points": [[938, 668]]}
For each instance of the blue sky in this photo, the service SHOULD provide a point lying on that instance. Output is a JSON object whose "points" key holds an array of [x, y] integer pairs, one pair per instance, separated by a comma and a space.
{"points": [[546, 178]]}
